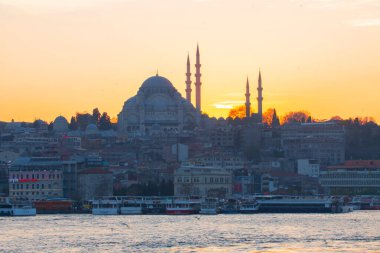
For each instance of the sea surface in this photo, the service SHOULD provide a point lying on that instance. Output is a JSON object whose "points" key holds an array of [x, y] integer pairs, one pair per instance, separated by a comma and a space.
{"points": [[358, 231]]}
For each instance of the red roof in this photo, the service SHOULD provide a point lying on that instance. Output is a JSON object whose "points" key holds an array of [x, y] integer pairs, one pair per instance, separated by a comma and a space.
{"points": [[357, 164]]}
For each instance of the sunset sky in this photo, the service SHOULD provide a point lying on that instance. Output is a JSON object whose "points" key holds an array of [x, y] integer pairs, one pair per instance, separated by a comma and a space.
{"points": [[59, 57]]}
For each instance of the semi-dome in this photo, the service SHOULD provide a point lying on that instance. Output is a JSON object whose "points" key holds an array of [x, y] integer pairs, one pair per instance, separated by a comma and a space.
{"points": [[157, 82], [60, 124]]}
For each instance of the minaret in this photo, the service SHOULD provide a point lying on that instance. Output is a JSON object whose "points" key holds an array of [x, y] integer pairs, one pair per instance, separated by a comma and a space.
{"points": [[247, 101], [260, 98], [188, 81], [198, 82]]}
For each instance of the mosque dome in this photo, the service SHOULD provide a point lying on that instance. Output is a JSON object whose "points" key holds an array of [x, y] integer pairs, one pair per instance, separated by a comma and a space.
{"points": [[156, 82], [60, 124], [91, 129]]}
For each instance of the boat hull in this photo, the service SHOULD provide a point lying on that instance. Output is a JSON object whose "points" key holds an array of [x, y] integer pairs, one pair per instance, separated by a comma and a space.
{"points": [[130, 210], [294, 209], [210, 211], [105, 211], [6, 212], [248, 211], [24, 211], [180, 211]]}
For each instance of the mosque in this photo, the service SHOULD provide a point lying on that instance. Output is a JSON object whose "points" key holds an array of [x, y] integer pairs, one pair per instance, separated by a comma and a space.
{"points": [[158, 107]]}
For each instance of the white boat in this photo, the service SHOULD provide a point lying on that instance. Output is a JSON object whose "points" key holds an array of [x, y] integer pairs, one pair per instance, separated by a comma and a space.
{"points": [[209, 206], [131, 206], [105, 207], [8, 209], [182, 206], [23, 210], [249, 207]]}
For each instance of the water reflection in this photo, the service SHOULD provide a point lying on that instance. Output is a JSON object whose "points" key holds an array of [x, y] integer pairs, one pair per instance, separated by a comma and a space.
{"points": [[351, 232]]}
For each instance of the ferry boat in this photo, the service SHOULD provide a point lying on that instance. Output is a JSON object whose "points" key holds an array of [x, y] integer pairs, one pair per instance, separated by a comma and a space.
{"points": [[8, 209], [132, 206], [249, 207], [106, 206], [23, 210], [54, 206], [210, 206], [182, 206], [297, 204], [155, 205], [370, 203], [231, 206]]}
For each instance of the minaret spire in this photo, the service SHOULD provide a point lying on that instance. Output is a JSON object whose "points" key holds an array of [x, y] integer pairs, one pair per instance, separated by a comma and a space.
{"points": [[198, 81], [260, 98], [247, 100], [188, 80]]}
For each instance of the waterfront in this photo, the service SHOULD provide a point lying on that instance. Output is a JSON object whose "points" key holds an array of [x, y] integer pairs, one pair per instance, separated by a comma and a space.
{"points": [[349, 232]]}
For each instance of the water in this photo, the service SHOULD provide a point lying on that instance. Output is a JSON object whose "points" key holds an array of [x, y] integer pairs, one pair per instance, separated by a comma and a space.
{"points": [[352, 232]]}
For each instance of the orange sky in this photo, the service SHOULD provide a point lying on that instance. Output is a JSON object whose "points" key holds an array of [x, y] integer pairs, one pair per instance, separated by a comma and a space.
{"points": [[60, 57]]}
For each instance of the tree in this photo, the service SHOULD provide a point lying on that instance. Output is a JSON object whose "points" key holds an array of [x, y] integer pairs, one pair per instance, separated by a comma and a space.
{"points": [[105, 122], [83, 119], [73, 124], [270, 118], [238, 112], [294, 117], [96, 116]]}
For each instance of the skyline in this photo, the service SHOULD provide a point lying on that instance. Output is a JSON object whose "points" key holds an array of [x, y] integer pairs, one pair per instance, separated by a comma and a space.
{"points": [[319, 56]]}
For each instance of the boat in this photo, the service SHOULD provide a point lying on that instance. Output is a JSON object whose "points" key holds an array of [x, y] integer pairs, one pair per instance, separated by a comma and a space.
{"points": [[155, 205], [297, 204], [132, 206], [16, 209], [6, 209], [209, 206], [182, 206], [370, 203], [23, 210], [230, 206], [53, 206], [249, 207], [106, 206]]}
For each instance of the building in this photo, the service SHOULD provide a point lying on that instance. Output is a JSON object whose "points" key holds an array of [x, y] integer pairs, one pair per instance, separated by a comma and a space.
{"points": [[94, 183], [228, 161], [35, 178], [308, 167], [324, 142], [201, 180], [159, 108], [352, 177]]}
